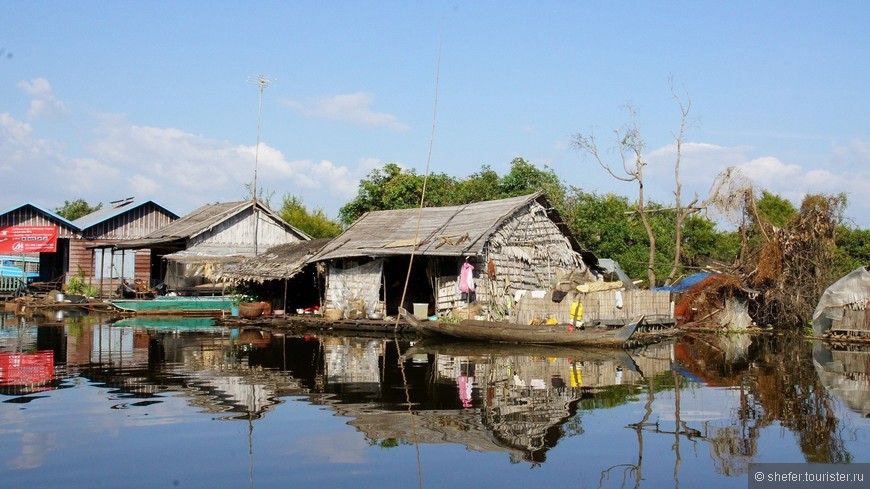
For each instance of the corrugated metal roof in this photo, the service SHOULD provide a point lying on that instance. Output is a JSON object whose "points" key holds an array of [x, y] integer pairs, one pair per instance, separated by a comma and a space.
{"points": [[440, 231], [118, 208]]}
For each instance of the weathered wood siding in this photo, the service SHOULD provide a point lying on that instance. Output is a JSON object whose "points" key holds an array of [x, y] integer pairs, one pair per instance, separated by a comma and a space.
{"points": [[237, 234], [131, 224], [855, 320]]}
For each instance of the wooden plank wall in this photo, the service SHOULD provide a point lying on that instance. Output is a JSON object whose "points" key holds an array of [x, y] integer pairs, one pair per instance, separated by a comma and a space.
{"points": [[132, 224], [599, 305], [447, 293], [855, 320]]}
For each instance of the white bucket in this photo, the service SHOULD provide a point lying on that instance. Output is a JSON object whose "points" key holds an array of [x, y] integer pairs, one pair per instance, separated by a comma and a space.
{"points": [[421, 310]]}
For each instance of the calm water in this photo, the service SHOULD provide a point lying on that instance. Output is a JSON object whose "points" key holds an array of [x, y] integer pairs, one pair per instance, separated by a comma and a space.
{"points": [[86, 403]]}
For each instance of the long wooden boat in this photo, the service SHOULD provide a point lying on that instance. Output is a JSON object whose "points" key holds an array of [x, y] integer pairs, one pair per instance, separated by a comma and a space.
{"points": [[544, 334], [177, 305]]}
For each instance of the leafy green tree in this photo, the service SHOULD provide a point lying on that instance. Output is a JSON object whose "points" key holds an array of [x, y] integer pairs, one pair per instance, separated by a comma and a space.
{"points": [[478, 187], [76, 209], [853, 249], [775, 209], [703, 245], [610, 226], [312, 222], [392, 187], [385, 188], [525, 178]]}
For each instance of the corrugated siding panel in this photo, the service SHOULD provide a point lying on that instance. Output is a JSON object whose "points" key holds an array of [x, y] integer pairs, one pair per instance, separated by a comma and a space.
{"points": [[134, 224], [29, 216]]}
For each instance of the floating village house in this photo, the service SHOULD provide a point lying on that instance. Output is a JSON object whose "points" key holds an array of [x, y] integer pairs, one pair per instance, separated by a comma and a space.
{"points": [[84, 247], [510, 259], [192, 247]]}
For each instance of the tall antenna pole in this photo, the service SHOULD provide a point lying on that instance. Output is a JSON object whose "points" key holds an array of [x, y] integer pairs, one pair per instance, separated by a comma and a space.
{"points": [[262, 83]]}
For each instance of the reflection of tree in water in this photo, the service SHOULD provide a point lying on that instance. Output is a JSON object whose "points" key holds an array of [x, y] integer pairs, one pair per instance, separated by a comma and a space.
{"points": [[788, 390], [777, 383]]}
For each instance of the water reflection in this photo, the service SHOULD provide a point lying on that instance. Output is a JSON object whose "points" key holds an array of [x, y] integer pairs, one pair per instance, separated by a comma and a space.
{"points": [[843, 370], [777, 384], [520, 401]]}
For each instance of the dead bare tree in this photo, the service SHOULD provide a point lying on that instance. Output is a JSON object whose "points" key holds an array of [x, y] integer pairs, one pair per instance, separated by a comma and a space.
{"points": [[630, 144], [680, 213]]}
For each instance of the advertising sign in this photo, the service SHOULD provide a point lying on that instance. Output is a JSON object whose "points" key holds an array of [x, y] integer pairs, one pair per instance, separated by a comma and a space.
{"points": [[28, 239]]}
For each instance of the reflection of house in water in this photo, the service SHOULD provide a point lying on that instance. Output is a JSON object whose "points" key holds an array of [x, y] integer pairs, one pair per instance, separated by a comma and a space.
{"points": [[844, 373], [205, 365], [352, 362], [504, 398], [25, 367]]}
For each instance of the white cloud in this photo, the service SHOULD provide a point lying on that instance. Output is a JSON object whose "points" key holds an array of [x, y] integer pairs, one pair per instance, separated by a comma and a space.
{"points": [[43, 103], [848, 171], [176, 168], [350, 107]]}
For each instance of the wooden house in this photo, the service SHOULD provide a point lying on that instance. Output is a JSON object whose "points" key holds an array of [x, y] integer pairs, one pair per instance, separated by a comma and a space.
{"points": [[94, 256], [80, 244], [53, 265], [521, 253], [215, 234]]}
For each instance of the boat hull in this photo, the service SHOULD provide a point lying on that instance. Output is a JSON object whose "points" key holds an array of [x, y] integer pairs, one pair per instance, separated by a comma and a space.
{"points": [[208, 305], [557, 334]]}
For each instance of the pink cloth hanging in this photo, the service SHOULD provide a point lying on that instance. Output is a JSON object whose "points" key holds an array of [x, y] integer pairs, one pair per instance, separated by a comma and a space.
{"points": [[466, 278], [465, 384]]}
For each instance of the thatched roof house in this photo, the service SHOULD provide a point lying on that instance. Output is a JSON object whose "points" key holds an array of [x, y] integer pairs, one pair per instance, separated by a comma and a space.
{"points": [[461, 230]]}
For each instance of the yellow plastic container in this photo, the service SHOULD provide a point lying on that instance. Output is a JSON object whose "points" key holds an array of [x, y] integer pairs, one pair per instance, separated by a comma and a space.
{"points": [[577, 311]]}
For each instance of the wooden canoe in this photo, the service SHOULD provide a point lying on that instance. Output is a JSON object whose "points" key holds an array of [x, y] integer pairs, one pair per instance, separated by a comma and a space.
{"points": [[544, 334]]}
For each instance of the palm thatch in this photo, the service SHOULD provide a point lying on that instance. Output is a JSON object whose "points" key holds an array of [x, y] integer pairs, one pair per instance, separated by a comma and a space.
{"points": [[277, 263]]}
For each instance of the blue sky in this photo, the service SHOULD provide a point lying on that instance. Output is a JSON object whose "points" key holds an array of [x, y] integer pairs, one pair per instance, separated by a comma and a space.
{"points": [[158, 100]]}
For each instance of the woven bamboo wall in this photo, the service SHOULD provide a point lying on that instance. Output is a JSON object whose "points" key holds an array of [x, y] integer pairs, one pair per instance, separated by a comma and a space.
{"points": [[526, 252]]}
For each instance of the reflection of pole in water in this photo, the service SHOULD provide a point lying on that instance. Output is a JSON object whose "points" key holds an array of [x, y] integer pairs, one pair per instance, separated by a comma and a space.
{"points": [[251, 437], [677, 458]]}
